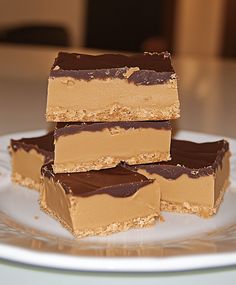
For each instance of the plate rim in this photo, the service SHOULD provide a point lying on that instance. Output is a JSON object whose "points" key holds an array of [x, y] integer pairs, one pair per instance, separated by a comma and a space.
{"points": [[59, 260], [113, 264]]}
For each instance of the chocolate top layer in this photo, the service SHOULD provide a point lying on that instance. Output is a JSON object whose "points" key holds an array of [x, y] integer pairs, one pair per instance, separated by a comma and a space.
{"points": [[193, 159], [43, 145], [117, 182], [64, 129], [154, 68]]}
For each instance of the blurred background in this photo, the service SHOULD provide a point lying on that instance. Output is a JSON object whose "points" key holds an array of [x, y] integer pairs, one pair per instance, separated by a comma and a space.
{"points": [[200, 34], [189, 27]]}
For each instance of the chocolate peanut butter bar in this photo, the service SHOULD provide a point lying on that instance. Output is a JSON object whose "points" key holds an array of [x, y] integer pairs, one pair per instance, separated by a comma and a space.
{"points": [[195, 179], [100, 202], [112, 87], [28, 156], [92, 146]]}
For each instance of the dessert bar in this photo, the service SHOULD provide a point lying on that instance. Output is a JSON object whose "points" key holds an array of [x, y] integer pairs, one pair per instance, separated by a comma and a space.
{"points": [[92, 146], [112, 87], [28, 156], [195, 179], [100, 202]]}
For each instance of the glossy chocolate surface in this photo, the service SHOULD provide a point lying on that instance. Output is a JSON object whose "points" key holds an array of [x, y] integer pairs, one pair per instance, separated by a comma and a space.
{"points": [[117, 182], [64, 129], [43, 145], [154, 68], [193, 159]]}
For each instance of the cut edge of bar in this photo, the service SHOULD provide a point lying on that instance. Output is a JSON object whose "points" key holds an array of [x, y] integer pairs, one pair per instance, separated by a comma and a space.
{"points": [[139, 222], [190, 208], [110, 162], [25, 181]]}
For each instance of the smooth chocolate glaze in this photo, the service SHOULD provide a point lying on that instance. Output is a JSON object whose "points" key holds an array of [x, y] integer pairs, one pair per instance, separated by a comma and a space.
{"points": [[193, 159], [155, 68], [43, 145], [117, 182], [64, 129]]}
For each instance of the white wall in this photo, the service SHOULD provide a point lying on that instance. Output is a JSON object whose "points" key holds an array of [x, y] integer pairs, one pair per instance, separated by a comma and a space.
{"points": [[70, 13]]}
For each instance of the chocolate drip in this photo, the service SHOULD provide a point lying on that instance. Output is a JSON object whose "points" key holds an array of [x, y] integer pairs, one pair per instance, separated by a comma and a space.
{"points": [[64, 129], [149, 77], [193, 159], [154, 68], [117, 182], [43, 145], [91, 74]]}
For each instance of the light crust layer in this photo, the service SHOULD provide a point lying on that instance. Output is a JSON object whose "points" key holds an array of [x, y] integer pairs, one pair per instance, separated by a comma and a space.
{"points": [[109, 162], [112, 114], [100, 214], [25, 181], [110, 100], [96, 150]]}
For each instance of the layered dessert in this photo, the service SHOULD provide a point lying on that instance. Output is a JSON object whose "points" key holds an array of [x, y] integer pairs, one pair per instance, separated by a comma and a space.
{"points": [[195, 179], [100, 202], [92, 146], [112, 87], [28, 156]]}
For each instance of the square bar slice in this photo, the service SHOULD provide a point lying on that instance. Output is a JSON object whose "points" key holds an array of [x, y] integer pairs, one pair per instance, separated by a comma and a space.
{"points": [[81, 147], [100, 202], [112, 87], [28, 156], [195, 180]]}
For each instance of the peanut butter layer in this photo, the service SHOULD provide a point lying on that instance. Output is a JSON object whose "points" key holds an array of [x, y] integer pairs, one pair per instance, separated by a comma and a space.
{"points": [[112, 88], [100, 202], [28, 156], [94, 146], [194, 181]]}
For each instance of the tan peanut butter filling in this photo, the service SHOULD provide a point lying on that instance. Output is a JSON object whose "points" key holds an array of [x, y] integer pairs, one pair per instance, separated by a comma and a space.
{"points": [[102, 94], [184, 189], [96, 211], [222, 174], [27, 164], [116, 142], [198, 191]]}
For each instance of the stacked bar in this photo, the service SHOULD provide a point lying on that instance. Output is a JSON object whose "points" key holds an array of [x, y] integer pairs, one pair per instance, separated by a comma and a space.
{"points": [[194, 180], [108, 109], [100, 202], [116, 103], [28, 157], [112, 165], [112, 87], [93, 146]]}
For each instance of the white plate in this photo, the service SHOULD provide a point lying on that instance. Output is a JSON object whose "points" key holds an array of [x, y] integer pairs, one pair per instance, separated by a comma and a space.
{"points": [[182, 242]]}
